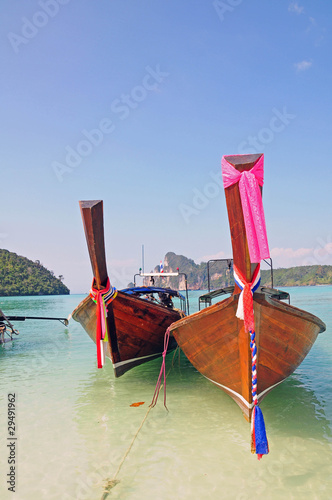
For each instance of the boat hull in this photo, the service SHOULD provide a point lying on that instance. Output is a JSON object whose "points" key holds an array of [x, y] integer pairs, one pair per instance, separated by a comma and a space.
{"points": [[136, 329], [215, 342]]}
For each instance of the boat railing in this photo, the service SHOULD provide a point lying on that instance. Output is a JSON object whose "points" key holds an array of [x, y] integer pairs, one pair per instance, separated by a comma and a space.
{"points": [[229, 264], [185, 304], [270, 264], [274, 293], [206, 298]]}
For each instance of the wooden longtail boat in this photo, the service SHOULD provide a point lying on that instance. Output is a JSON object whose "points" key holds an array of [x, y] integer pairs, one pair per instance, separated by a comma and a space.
{"points": [[7, 329], [137, 318], [215, 340]]}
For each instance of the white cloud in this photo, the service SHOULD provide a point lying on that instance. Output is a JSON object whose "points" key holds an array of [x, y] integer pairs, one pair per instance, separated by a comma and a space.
{"points": [[303, 65], [205, 258], [288, 257], [295, 7], [312, 21]]}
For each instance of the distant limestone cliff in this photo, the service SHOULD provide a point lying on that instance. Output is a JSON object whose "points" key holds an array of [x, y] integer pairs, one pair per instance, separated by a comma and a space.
{"points": [[221, 275], [196, 274], [21, 276]]}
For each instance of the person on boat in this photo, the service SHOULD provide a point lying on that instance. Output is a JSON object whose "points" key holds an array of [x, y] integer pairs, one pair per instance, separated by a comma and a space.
{"points": [[149, 297], [166, 299]]}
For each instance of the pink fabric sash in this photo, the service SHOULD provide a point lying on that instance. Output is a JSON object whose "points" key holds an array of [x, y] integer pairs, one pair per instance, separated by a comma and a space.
{"points": [[252, 205]]}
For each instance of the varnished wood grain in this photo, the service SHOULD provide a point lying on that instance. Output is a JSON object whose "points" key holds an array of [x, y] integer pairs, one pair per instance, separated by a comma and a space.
{"points": [[93, 222], [136, 327], [139, 327], [215, 341]]}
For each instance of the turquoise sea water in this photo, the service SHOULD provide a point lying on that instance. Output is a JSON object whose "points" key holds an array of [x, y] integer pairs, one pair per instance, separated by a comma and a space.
{"points": [[75, 423]]}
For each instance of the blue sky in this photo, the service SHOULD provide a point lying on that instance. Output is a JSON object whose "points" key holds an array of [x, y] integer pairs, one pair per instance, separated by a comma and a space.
{"points": [[135, 102]]}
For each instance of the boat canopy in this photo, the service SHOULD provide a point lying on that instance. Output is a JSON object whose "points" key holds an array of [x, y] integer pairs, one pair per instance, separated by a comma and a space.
{"points": [[143, 290]]}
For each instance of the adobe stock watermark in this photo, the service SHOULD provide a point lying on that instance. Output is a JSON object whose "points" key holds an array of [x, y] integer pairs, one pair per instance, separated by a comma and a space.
{"points": [[321, 254], [122, 277], [251, 145], [121, 109], [31, 27], [277, 124], [87, 487], [223, 7]]}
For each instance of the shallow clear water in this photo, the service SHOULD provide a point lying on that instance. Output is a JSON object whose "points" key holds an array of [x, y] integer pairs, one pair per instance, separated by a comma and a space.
{"points": [[75, 423]]}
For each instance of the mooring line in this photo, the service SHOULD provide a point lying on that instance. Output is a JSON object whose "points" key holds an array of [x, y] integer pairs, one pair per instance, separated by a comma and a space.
{"points": [[114, 481]]}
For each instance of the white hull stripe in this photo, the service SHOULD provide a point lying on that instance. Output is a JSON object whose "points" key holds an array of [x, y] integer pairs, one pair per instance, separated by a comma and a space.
{"points": [[245, 402], [121, 363]]}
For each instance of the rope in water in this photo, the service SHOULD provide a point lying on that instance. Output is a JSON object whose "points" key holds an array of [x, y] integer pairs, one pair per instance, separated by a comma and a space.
{"points": [[114, 481]]}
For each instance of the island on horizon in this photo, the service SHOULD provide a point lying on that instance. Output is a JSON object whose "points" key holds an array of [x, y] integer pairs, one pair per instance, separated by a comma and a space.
{"points": [[221, 276], [20, 276]]}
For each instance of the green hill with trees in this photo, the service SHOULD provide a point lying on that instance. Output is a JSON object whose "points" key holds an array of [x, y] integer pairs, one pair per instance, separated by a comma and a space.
{"points": [[301, 276], [221, 275], [21, 276]]}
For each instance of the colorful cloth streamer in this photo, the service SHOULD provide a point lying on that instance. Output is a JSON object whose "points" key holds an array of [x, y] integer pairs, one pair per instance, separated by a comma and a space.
{"points": [[102, 298], [245, 307], [245, 311], [252, 206]]}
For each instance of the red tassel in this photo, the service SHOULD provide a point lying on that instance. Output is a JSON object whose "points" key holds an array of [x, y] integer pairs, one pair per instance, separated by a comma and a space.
{"points": [[259, 443]]}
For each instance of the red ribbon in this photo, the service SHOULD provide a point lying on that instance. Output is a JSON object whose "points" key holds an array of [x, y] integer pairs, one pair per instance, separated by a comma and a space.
{"points": [[101, 327]]}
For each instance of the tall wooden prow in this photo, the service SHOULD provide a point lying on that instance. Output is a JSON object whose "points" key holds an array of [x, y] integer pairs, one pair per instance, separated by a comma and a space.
{"points": [[235, 216], [136, 325], [215, 339], [93, 222]]}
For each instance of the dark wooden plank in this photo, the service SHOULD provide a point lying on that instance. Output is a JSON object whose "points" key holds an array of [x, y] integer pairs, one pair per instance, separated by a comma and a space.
{"points": [[93, 221], [136, 334]]}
